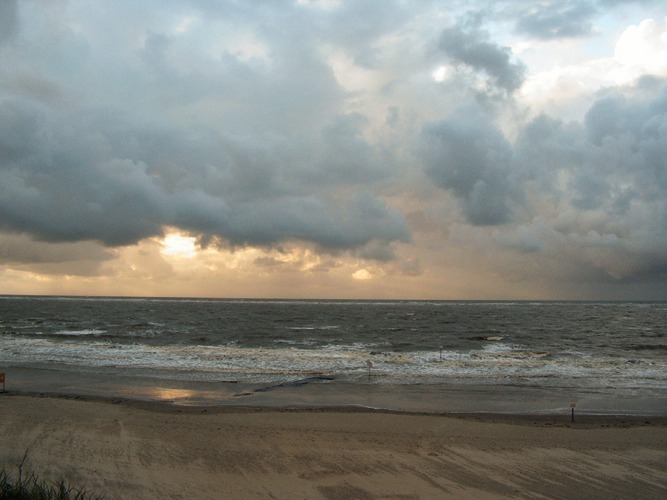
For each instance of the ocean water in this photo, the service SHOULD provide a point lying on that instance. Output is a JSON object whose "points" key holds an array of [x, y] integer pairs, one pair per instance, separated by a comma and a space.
{"points": [[616, 351]]}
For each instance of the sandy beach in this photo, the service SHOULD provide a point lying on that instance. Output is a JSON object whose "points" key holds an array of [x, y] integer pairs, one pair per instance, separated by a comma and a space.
{"points": [[130, 449]]}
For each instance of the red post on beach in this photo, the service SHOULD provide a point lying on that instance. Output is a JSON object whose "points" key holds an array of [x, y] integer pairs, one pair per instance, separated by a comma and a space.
{"points": [[573, 405], [2, 379]]}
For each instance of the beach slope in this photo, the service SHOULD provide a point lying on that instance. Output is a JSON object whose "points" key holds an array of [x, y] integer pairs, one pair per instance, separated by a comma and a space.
{"points": [[125, 449]]}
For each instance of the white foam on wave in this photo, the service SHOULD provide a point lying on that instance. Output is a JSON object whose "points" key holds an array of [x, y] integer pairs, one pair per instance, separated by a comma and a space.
{"points": [[82, 332], [314, 327], [497, 362]]}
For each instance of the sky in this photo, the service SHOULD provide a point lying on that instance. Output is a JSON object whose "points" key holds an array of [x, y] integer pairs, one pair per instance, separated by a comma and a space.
{"points": [[375, 149]]}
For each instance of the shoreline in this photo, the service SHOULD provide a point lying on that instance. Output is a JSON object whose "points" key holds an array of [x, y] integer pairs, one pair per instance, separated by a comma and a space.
{"points": [[449, 397], [122, 448]]}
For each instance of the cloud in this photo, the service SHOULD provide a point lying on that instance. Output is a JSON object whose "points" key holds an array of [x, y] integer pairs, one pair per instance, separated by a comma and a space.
{"points": [[628, 127], [609, 181], [68, 183], [473, 48], [468, 155], [556, 19], [642, 48], [20, 249], [247, 144], [418, 141], [599, 186], [526, 238], [345, 157], [8, 20]]}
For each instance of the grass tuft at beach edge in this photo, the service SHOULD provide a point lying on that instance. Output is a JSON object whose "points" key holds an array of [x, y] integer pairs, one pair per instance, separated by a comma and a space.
{"points": [[31, 487]]}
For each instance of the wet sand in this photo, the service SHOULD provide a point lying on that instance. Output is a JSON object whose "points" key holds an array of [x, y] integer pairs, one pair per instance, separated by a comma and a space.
{"points": [[448, 397], [121, 448]]}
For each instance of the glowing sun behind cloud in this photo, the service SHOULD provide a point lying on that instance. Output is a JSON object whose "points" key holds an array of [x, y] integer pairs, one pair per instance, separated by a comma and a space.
{"points": [[362, 274], [179, 245]]}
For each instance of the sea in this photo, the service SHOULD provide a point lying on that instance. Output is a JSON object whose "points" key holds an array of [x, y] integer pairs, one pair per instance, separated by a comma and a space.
{"points": [[430, 356]]}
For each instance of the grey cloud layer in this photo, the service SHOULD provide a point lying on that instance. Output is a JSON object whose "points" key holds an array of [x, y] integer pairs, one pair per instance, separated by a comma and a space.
{"points": [[469, 156], [557, 19], [228, 120], [605, 178], [250, 151], [8, 21], [472, 48], [63, 182]]}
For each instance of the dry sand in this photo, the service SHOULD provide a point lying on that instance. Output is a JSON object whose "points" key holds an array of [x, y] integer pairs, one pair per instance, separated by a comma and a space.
{"points": [[127, 449]]}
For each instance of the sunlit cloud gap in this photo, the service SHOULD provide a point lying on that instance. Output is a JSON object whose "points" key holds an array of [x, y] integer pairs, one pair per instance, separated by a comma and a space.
{"points": [[178, 245]]}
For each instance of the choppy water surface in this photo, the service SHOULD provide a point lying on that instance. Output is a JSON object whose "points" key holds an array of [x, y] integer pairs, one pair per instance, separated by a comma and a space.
{"points": [[610, 346]]}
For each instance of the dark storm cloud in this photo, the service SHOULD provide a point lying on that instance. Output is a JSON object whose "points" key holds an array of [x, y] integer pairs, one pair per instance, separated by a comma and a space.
{"points": [[79, 259], [245, 148], [556, 19], [346, 223], [605, 178], [628, 130], [473, 48], [71, 184], [8, 20], [546, 145], [345, 157], [614, 166], [468, 155]]}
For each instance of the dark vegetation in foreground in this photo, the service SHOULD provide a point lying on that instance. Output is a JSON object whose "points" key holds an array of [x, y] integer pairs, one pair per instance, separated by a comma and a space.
{"points": [[30, 487]]}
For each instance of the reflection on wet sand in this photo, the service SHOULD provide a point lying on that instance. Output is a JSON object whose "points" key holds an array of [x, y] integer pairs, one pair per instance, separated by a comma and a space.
{"points": [[171, 394]]}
